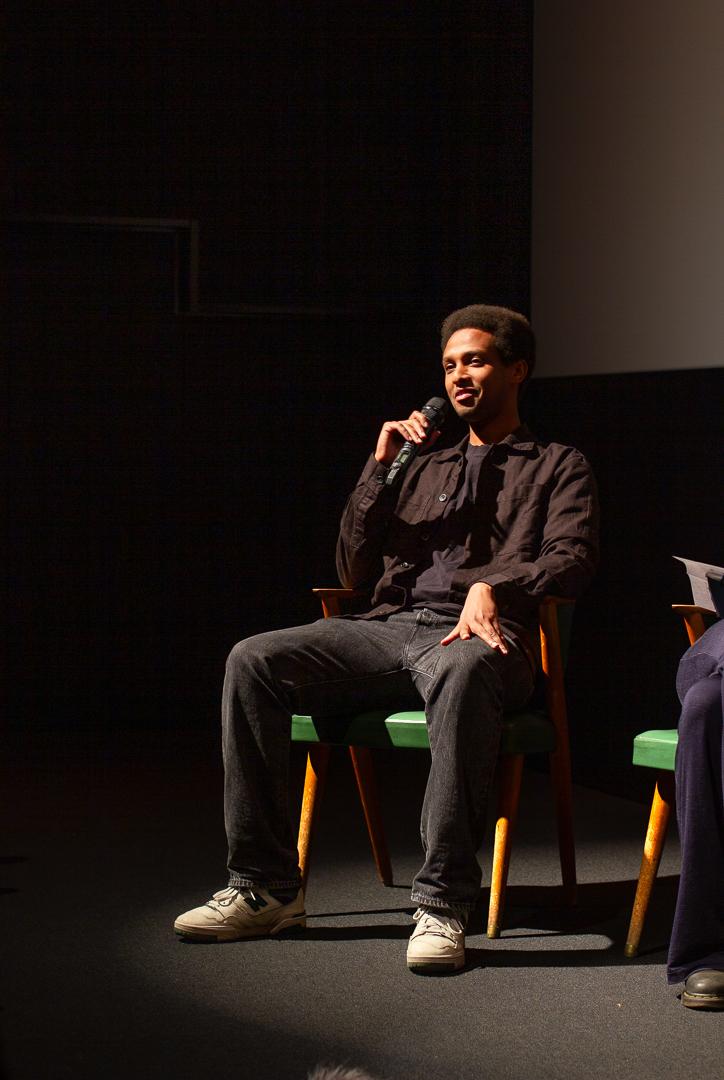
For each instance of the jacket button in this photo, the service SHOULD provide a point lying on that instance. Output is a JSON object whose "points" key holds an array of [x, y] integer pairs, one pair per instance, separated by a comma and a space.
{"points": [[442, 498], [425, 536]]}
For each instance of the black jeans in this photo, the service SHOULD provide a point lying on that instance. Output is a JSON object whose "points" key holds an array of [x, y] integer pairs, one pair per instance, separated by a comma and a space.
{"points": [[337, 666]]}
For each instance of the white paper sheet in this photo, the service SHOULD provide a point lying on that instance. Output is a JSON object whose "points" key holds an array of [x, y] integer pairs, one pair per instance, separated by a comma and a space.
{"points": [[702, 576]]}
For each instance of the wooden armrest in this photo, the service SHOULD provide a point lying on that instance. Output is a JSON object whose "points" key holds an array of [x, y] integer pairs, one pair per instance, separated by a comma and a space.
{"points": [[555, 601], [692, 609], [693, 617], [332, 598], [340, 592]]}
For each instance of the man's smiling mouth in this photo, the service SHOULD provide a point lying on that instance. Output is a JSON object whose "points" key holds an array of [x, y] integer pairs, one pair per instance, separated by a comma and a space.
{"points": [[464, 395]]}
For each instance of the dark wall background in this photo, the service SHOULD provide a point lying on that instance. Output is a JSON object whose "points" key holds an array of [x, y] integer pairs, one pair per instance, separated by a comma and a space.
{"points": [[655, 442], [372, 153], [174, 479]]}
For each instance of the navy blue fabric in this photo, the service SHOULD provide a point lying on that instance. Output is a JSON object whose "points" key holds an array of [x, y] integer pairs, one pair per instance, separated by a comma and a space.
{"points": [[697, 937]]}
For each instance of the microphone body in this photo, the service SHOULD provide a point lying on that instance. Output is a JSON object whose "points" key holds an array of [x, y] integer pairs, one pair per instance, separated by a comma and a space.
{"points": [[435, 411]]}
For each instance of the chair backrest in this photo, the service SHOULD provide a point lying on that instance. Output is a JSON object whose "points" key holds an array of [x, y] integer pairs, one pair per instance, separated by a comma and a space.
{"points": [[556, 618], [564, 613]]}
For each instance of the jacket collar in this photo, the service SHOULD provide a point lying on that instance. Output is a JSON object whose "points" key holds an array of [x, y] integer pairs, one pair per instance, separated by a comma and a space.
{"points": [[523, 438]]}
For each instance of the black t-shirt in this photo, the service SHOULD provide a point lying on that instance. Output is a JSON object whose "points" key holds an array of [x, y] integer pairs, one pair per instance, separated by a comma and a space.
{"points": [[432, 588]]}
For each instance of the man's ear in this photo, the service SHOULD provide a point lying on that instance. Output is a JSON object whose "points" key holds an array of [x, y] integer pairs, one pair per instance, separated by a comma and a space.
{"points": [[519, 370]]}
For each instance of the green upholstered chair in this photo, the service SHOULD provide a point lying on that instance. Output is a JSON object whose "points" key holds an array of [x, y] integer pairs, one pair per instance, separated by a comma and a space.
{"points": [[541, 727], [657, 750]]}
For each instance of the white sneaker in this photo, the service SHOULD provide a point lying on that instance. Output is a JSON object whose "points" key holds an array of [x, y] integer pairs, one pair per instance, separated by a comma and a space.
{"points": [[237, 913], [437, 945]]}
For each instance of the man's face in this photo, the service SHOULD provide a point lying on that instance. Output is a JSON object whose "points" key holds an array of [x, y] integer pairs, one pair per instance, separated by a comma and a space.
{"points": [[480, 386]]}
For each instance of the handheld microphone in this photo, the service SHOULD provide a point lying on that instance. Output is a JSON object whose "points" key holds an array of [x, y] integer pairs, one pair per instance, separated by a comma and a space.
{"points": [[435, 411]]}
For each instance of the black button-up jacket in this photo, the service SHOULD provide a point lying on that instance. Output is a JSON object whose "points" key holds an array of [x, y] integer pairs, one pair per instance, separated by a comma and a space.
{"points": [[533, 529]]}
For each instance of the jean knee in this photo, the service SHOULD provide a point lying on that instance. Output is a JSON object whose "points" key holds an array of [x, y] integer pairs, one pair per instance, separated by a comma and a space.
{"points": [[701, 713], [247, 655]]}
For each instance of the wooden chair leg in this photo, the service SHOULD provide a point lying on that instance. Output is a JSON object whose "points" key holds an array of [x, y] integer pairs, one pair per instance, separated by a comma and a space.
{"points": [[314, 781], [653, 847], [560, 759], [508, 798], [563, 796], [367, 787]]}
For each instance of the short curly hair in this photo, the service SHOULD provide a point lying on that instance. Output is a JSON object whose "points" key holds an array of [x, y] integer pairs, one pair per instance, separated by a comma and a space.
{"points": [[512, 334]]}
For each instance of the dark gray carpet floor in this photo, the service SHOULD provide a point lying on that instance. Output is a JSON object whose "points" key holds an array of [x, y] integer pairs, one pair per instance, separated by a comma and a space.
{"points": [[108, 839]]}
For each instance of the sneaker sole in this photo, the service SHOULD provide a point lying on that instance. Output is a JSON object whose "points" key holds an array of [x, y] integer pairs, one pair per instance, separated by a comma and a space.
{"points": [[436, 967], [293, 922]]}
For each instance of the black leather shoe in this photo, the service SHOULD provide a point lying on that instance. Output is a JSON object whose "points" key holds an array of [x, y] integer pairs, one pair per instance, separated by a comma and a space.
{"points": [[704, 989]]}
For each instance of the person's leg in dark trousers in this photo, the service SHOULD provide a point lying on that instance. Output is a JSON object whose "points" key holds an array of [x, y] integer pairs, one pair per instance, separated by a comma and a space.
{"points": [[329, 667], [697, 939], [336, 666], [465, 686]]}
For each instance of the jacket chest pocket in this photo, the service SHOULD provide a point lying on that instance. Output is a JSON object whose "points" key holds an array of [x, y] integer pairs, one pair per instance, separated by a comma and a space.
{"points": [[519, 517], [409, 529]]}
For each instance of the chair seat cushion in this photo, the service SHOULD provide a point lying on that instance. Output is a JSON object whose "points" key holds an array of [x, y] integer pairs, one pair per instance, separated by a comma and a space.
{"points": [[656, 749], [524, 732]]}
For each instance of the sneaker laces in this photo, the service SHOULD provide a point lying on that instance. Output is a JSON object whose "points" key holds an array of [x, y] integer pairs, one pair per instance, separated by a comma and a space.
{"points": [[437, 923], [227, 896]]}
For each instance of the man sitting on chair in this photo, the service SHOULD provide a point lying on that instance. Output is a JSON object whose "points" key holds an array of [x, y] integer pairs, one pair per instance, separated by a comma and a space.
{"points": [[457, 557], [696, 950]]}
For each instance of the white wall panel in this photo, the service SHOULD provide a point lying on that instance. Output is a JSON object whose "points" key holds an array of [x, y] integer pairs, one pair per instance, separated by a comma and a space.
{"points": [[628, 185]]}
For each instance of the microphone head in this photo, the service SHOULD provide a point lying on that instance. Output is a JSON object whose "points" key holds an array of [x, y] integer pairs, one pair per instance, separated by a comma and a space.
{"points": [[436, 411]]}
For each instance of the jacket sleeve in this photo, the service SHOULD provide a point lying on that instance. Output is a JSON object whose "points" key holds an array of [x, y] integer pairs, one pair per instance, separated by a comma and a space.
{"points": [[568, 554], [365, 520]]}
